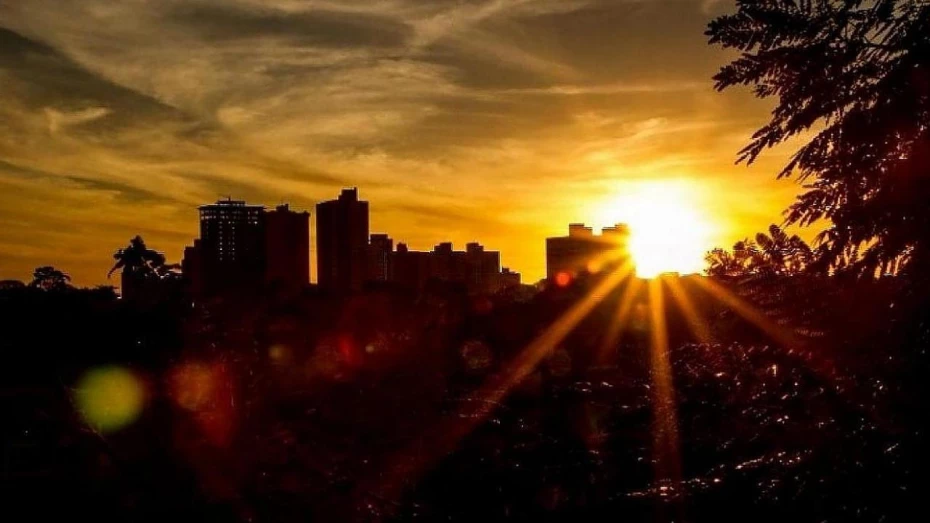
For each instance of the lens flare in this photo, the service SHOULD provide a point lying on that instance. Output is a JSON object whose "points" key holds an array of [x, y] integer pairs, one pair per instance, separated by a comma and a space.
{"points": [[670, 229], [279, 354], [666, 452], [208, 392], [194, 385], [109, 398], [520, 372]]}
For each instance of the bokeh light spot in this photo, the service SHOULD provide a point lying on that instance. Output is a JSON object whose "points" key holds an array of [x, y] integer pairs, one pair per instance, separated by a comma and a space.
{"points": [[562, 279], [207, 390], [279, 354], [348, 350], [193, 386], [109, 398]]}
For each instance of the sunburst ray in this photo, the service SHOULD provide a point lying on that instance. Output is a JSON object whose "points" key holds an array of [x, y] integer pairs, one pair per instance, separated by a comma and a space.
{"points": [[446, 436], [665, 428], [696, 324]]}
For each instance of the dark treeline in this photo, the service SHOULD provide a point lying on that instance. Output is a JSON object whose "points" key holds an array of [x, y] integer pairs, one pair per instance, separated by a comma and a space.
{"points": [[376, 404]]}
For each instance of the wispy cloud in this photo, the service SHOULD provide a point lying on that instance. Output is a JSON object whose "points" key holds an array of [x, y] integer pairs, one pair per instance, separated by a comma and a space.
{"points": [[58, 119], [121, 116], [612, 88]]}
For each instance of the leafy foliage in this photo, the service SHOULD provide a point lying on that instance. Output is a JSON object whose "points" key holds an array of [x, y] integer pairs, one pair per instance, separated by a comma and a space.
{"points": [[49, 278], [855, 73], [137, 258], [772, 254]]}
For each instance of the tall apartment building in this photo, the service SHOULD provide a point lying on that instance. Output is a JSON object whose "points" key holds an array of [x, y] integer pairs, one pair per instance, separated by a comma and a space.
{"points": [[380, 252], [243, 248], [347, 257], [231, 248], [287, 248], [342, 242]]}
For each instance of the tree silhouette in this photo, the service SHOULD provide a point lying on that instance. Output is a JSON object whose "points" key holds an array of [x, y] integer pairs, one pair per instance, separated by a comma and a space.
{"points": [[168, 271], [139, 264], [11, 284], [137, 259], [781, 254], [746, 254], [859, 71], [771, 254], [48, 278], [721, 262]]}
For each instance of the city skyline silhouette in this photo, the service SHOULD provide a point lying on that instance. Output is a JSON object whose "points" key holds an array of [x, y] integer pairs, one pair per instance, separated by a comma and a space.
{"points": [[245, 246]]}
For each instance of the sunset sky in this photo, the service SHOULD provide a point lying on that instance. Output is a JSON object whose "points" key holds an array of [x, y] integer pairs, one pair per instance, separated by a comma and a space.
{"points": [[497, 121]]}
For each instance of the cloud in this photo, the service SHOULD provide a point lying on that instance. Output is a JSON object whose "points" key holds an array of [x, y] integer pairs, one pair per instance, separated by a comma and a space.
{"points": [[611, 88], [490, 119], [58, 119], [711, 6], [317, 27]]}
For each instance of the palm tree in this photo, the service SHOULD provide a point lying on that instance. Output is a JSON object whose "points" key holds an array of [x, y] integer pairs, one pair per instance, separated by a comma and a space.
{"points": [[138, 263], [137, 258], [49, 278], [168, 271]]}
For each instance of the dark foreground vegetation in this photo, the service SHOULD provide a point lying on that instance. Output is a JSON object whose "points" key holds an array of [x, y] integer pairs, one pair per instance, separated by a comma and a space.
{"points": [[389, 406]]}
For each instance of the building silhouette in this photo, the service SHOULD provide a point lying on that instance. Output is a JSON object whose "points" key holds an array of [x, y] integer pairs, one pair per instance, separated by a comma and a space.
{"points": [[342, 242], [243, 248], [480, 269], [231, 249], [476, 269], [287, 248], [380, 252], [192, 267], [509, 278], [619, 233], [582, 251], [410, 269]]}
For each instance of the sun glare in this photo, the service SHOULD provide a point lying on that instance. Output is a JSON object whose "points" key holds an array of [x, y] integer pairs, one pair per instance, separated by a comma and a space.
{"points": [[668, 231]]}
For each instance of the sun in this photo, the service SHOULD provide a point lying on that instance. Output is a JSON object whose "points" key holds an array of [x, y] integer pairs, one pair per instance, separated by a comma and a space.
{"points": [[668, 230]]}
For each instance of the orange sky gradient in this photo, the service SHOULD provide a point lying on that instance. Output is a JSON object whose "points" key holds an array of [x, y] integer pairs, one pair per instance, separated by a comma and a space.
{"points": [[496, 121]]}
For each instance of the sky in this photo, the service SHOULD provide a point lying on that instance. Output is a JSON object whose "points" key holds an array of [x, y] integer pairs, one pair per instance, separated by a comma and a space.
{"points": [[499, 121]]}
